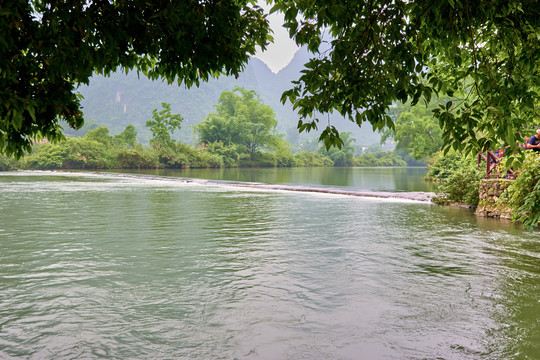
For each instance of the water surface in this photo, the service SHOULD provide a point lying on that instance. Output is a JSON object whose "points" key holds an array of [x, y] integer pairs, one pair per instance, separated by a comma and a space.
{"points": [[107, 267], [392, 179]]}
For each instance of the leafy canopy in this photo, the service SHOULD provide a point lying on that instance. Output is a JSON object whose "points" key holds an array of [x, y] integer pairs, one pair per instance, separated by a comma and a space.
{"points": [[484, 55], [48, 48], [128, 137], [416, 133], [241, 118]]}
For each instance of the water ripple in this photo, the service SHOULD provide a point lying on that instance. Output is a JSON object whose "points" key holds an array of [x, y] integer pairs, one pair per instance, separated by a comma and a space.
{"points": [[130, 268]]}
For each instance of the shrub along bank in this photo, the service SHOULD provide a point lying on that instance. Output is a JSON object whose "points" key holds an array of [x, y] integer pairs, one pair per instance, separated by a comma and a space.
{"points": [[100, 150], [460, 180]]}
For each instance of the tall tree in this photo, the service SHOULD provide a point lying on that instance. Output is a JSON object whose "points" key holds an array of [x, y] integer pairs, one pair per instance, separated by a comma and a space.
{"points": [[127, 137], [48, 48], [101, 135], [483, 54], [416, 133], [162, 126], [241, 118]]}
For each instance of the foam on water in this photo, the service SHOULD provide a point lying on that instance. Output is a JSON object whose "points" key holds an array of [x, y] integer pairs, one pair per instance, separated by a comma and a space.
{"points": [[152, 180]]}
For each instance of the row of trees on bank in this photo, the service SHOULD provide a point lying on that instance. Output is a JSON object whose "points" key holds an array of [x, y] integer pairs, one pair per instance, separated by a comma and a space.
{"points": [[110, 153], [240, 133]]}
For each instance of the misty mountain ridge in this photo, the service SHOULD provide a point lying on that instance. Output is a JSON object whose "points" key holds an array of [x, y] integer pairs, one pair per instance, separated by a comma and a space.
{"points": [[122, 99]]}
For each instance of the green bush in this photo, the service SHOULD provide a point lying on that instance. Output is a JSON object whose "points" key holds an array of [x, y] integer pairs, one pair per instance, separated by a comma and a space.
{"points": [[136, 158], [523, 196], [46, 156], [312, 159], [259, 160], [73, 153], [366, 160], [282, 154], [443, 166], [460, 181], [383, 158], [190, 156], [228, 154], [86, 154], [284, 159], [8, 163]]}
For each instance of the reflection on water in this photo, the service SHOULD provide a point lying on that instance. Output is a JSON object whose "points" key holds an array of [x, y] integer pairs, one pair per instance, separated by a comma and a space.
{"points": [[98, 267]]}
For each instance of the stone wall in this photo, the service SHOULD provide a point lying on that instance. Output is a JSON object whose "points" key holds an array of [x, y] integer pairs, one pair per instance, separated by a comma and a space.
{"points": [[490, 191]]}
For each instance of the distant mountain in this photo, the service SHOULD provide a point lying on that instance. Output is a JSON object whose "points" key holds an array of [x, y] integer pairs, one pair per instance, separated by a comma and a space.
{"points": [[123, 99]]}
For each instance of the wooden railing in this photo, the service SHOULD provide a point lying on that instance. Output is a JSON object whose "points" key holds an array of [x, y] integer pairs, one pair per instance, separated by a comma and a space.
{"points": [[492, 160]]}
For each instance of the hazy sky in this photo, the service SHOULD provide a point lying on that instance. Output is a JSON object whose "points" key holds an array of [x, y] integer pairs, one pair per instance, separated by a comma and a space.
{"points": [[280, 53]]}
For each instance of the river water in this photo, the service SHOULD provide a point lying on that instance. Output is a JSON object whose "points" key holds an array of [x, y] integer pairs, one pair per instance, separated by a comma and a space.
{"points": [[151, 267]]}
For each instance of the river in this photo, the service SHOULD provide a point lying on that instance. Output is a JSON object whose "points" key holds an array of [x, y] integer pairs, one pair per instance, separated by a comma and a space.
{"points": [[155, 266]]}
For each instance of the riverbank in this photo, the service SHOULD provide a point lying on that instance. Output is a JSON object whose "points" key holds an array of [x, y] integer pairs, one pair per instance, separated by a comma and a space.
{"points": [[489, 205], [99, 150]]}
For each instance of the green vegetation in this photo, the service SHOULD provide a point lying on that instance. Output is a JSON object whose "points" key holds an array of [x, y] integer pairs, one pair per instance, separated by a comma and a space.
{"points": [[100, 150], [7, 163], [483, 55], [342, 155], [241, 133], [383, 158], [47, 49], [162, 125], [459, 178], [416, 131], [523, 196], [241, 120], [442, 166], [308, 158]]}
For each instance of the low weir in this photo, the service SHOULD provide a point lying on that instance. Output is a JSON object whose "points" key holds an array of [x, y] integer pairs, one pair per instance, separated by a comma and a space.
{"points": [[412, 196]]}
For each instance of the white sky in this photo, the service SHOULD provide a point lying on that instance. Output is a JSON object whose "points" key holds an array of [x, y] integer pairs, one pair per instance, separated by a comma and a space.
{"points": [[280, 53]]}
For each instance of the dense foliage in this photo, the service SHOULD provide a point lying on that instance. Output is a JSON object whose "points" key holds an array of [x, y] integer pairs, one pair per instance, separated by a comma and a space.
{"points": [[241, 133], [442, 166], [416, 132], [523, 196], [342, 156], [7, 163], [459, 178], [241, 120], [484, 55], [100, 150], [47, 48], [162, 126], [383, 158]]}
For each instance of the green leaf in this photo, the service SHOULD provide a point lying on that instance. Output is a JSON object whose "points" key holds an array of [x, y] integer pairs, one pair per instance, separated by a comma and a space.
{"points": [[32, 112]]}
